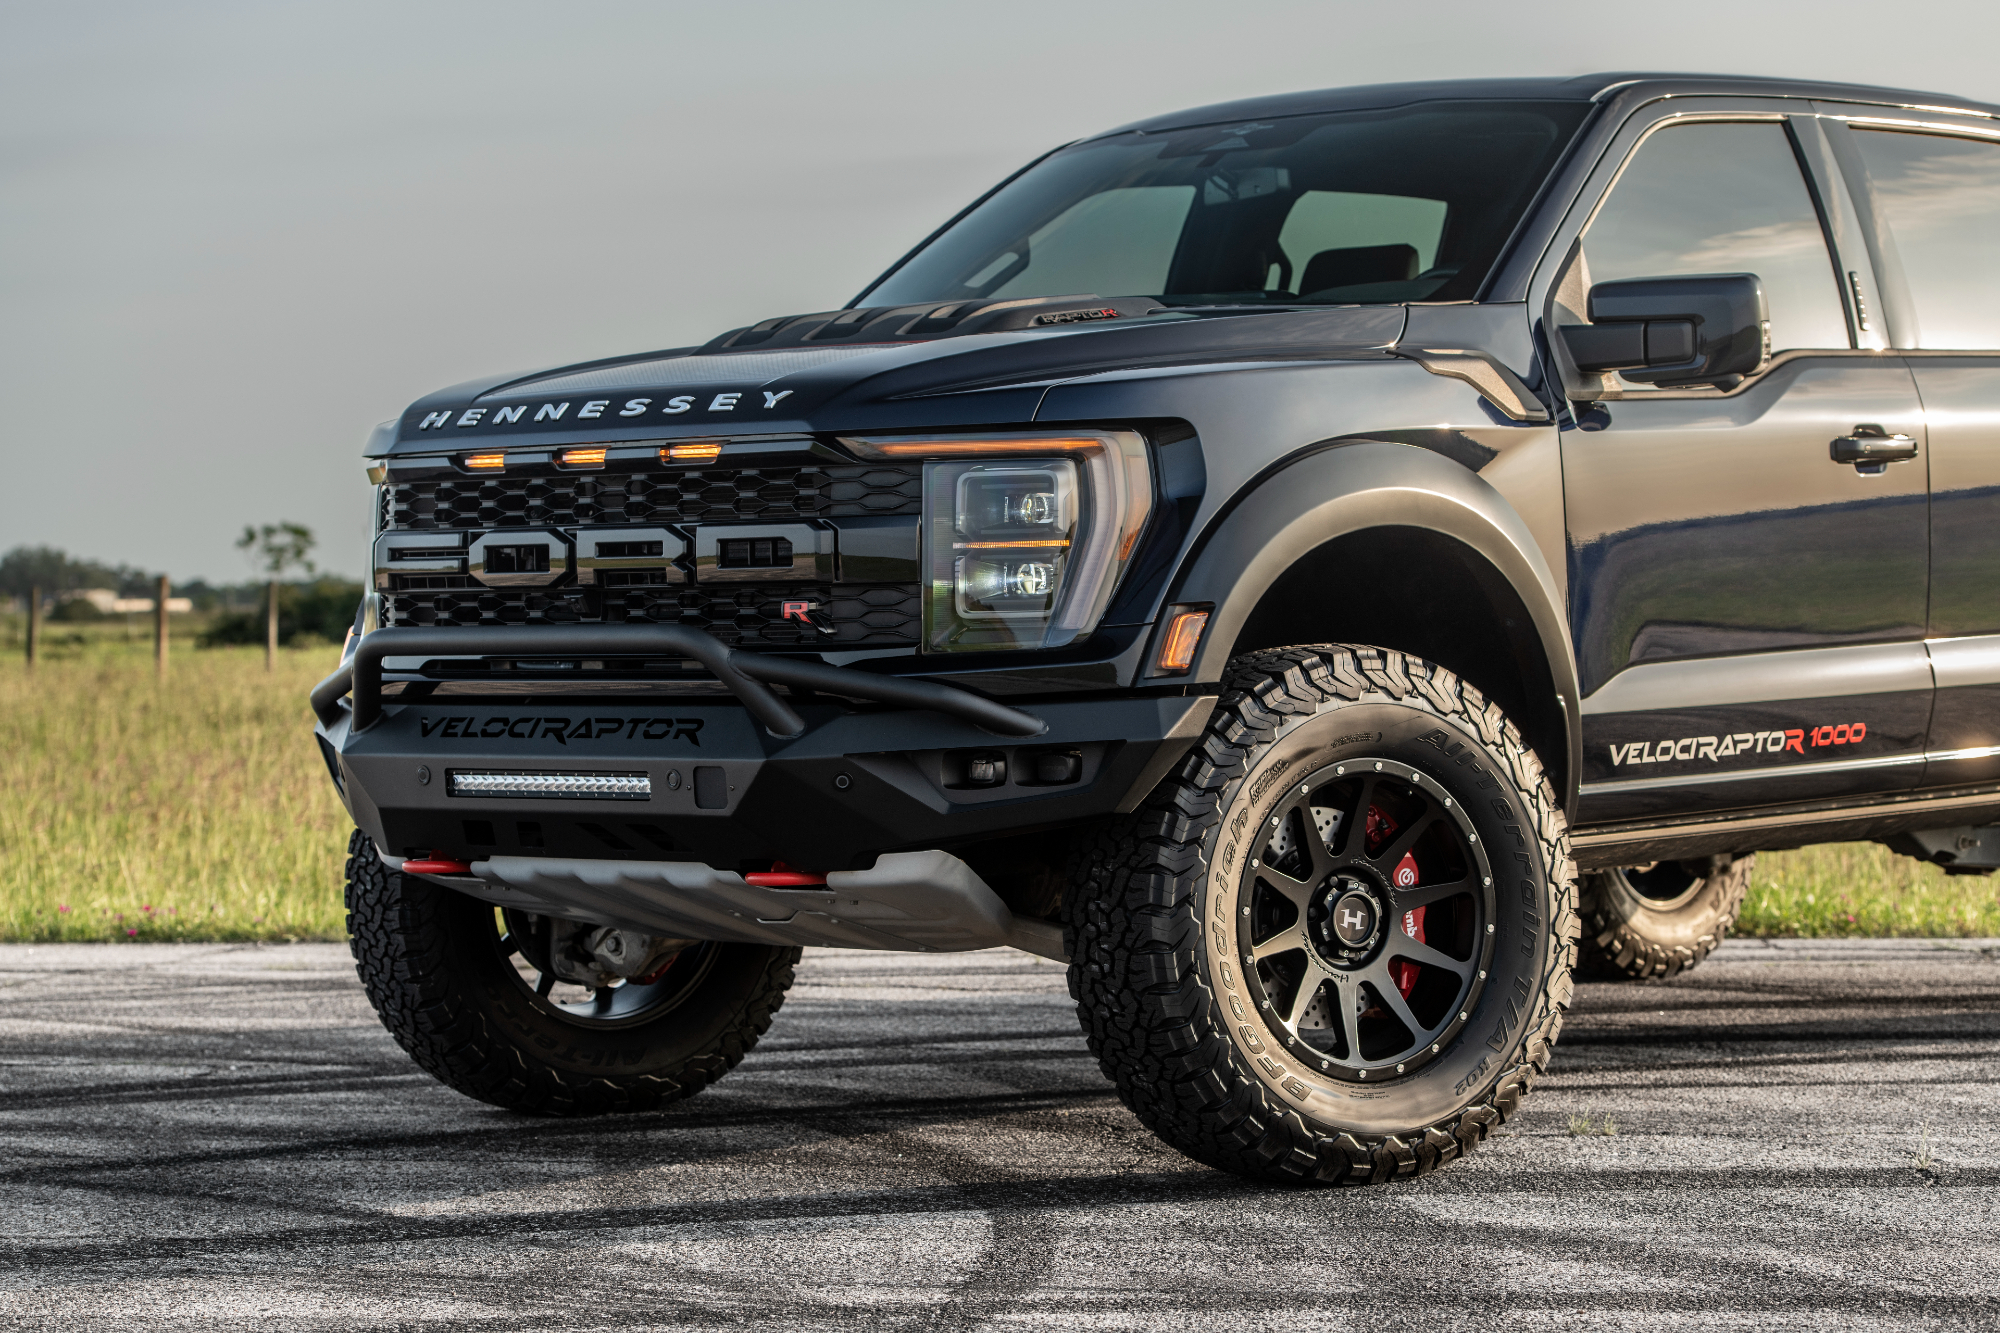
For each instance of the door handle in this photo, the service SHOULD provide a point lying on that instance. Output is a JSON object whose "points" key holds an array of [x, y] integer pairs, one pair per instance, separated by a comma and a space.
{"points": [[1871, 449]]}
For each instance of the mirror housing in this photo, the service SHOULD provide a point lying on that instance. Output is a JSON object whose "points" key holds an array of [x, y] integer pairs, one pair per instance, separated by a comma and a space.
{"points": [[1708, 329]]}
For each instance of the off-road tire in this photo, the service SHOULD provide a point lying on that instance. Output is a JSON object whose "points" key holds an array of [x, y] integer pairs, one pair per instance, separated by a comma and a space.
{"points": [[1144, 968], [430, 961], [1629, 936]]}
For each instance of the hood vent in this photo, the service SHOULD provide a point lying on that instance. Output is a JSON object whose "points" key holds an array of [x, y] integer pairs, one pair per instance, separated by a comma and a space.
{"points": [[687, 369], [916, 323]]}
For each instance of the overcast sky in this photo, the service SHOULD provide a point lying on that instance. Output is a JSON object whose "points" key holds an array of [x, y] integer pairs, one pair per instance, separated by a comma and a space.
{"points": [[235, 236]]}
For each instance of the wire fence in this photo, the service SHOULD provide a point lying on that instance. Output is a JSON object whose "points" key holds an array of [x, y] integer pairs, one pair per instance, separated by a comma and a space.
{"points": [[159, 610]]}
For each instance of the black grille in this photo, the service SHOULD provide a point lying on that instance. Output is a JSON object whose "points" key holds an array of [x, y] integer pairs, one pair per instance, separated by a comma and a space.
{"points": [[682, 495], [862, 614]]}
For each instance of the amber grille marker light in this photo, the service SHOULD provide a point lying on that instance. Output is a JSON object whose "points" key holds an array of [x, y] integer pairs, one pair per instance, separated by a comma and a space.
{"points": [[485, 462], [583, 457], [690, 453], [1183, 633]]}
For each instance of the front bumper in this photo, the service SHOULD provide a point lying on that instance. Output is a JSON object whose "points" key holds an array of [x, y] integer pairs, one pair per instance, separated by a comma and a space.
{"points": [[848, 784]]}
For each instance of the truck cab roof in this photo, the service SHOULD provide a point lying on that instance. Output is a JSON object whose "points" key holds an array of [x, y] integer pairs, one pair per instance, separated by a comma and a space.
{"points": [[1633, 85]]}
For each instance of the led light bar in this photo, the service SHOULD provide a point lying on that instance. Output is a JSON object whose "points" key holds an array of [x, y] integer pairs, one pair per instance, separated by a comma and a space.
{"points": [[592, 457], [566, 786]]}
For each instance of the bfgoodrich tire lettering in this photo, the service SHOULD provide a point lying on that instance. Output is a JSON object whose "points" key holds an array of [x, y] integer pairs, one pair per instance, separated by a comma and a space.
{"points": [[1160, 923], [1662, 919], [433, 966]]}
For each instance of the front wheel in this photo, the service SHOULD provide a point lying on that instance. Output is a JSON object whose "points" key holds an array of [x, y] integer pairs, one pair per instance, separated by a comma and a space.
{"points": [[1335, 945], [481, 1002]]}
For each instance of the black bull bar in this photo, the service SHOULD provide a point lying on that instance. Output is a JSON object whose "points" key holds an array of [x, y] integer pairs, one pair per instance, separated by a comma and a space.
{"points": [[744, 675]]}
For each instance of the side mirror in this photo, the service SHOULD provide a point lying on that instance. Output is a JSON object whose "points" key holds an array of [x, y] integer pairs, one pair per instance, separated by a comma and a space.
{"points": [[1711, 329]]}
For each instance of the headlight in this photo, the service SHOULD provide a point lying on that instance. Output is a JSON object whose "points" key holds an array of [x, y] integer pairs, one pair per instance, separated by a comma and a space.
{"points": [[1025, 535]]}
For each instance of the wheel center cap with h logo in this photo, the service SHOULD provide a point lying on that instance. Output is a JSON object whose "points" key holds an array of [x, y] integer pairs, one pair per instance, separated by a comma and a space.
{"points": [[1353, 919], [1346, 921]]}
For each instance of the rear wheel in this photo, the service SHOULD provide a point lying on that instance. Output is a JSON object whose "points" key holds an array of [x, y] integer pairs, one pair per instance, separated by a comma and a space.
{"points": [[475, 997], [1661, 919], [1336, 944]]}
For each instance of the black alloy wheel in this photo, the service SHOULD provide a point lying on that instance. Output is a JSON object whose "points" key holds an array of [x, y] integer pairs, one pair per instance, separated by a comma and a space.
{"points": [[1334, 945], [476, 1006], [1366, 924], [526, 940], [1666, 885]]}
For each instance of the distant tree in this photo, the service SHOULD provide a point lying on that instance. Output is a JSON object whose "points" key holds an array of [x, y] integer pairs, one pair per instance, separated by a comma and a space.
{"points": [[76, 609], [278, 547], [56, 573], [320, 610], [198, 591], [27, 567]]}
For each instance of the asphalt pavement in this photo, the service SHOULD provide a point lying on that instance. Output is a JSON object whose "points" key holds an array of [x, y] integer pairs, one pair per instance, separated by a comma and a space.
{"points": [[209, 1136]]}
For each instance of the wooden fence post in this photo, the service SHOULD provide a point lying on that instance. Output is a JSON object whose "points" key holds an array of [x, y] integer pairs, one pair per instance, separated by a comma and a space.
{"points": [[271, 629], [160, 629], [34, 624]]}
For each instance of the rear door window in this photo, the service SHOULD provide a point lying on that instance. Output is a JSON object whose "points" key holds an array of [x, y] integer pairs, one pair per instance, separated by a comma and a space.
{"points": [[1725, 197], [1940, 196]]}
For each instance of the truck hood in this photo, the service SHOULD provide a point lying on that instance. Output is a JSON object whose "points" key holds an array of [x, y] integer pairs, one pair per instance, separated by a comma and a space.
{"points": [[929, 367]]}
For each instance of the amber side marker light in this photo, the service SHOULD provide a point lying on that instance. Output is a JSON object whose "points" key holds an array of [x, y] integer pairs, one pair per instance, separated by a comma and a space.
{"points": [[583, 457], [690, 453], [485, 462], [1182, 637]]}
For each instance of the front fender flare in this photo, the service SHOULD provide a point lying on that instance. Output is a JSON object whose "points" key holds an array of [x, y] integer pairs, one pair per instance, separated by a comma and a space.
{"points": [[1347, 486]]}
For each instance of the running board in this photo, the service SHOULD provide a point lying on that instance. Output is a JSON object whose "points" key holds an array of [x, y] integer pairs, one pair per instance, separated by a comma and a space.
{"points": [[1637, 843], [926, 902]]}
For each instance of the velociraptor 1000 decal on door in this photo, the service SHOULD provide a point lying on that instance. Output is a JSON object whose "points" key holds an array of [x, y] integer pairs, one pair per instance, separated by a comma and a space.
{"points": [[1256, 556]]}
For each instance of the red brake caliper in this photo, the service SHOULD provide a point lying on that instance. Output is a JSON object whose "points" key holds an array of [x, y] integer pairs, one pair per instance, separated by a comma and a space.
{"points": [[1381, 828]]}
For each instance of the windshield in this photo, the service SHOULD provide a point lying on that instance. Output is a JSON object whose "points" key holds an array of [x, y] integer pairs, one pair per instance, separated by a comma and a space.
{"points": [[1373, 207]]}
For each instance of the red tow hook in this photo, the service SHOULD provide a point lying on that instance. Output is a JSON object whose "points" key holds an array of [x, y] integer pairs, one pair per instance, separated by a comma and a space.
{"points": [[433, 865], [782, 876]]}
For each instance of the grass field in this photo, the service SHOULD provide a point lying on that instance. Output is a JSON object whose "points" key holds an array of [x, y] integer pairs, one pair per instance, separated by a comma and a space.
{"points": [[201, 811]]}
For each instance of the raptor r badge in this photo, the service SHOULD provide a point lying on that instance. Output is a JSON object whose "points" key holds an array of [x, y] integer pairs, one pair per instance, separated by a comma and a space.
{"points": [[807, 613]]}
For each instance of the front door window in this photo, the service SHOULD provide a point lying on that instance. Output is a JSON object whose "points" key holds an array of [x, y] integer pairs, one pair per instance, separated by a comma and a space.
{"points": [[1723, 198]]}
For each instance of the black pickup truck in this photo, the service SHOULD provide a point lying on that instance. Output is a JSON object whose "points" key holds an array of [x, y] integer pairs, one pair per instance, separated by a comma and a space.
{"points": [[1325, 566]]}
